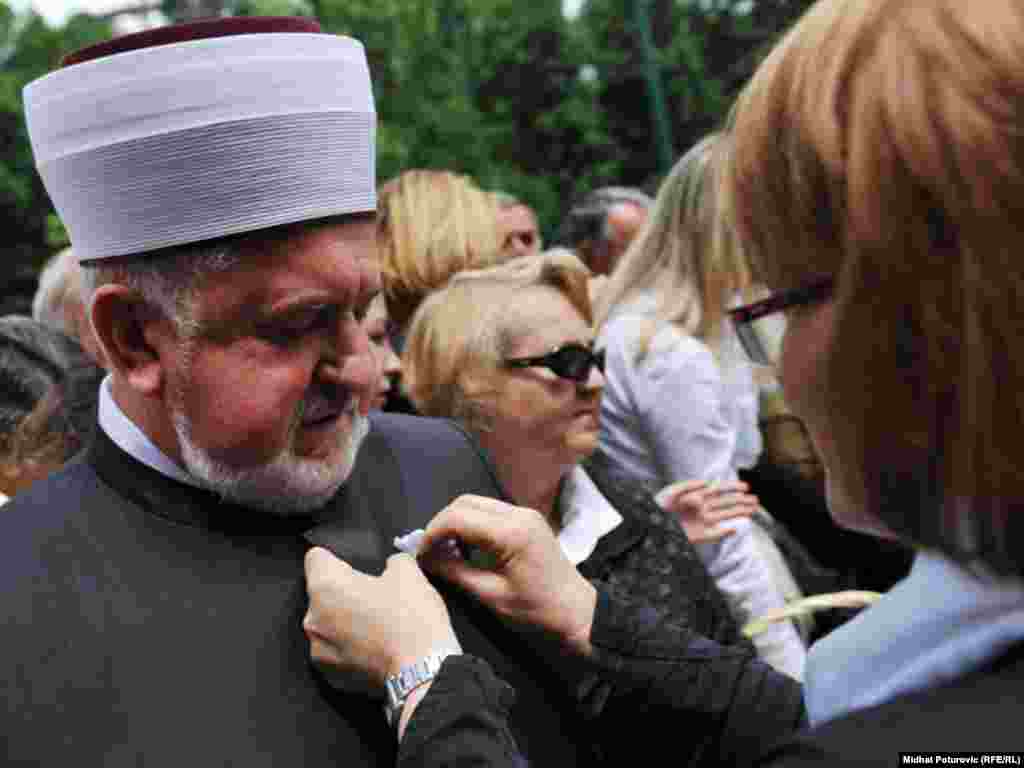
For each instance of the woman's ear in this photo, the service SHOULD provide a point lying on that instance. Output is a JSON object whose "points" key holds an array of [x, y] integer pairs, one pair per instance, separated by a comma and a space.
{"points": [[130, 332]]}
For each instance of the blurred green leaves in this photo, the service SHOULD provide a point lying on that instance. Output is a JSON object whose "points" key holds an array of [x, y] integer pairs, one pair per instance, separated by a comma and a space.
{"points": [[507, 91]]}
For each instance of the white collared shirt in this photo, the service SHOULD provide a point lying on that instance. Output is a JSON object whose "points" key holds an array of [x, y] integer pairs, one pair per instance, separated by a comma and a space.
{"points": [[133, 441], [586, 516]]}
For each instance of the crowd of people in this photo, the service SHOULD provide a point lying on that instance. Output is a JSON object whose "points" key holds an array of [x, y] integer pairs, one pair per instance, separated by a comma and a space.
{"points": [[280, 443]]}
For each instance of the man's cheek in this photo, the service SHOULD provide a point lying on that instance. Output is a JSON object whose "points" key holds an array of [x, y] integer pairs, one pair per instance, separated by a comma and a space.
{"points": [[251, 415]]}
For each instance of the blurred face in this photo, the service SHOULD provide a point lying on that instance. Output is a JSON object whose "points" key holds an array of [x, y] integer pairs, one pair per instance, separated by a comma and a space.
{"points": [[388, 365], [269, 399], [801, 363], [522, 236], [538, 416]]}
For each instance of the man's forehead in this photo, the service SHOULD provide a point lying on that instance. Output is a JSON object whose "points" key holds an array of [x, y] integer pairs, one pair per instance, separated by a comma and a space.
{"points": [[330, 262]]}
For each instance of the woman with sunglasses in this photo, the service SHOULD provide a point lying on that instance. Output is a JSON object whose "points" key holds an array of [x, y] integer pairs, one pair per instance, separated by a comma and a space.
{"points": [[508, 353], [878, 178], [680, 400]]}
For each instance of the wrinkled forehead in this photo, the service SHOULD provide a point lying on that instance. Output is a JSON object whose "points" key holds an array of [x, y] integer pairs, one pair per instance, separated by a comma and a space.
{"points": [[328, 263]]}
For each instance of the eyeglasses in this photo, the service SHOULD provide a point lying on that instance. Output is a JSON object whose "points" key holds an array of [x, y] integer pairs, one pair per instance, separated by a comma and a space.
{"points": [[571, 361], [761, 325]]}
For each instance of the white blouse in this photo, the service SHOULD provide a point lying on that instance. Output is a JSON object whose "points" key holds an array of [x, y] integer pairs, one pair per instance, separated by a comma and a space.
{"points": [[680, 413]]}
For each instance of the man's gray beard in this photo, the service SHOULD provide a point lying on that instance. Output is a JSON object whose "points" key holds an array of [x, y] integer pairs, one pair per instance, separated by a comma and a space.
{"points": [[286, 485]]}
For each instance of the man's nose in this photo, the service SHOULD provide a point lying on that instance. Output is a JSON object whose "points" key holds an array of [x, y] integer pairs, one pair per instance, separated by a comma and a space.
{"points": [[348, 339]]}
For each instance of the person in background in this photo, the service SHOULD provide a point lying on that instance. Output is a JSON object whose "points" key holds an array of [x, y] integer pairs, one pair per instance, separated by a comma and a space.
{"points": [[378, 330], [508, 353], [600, 227], [47, 410], [518, 222], [40, 444], [877, 177], [37, 361], [470, 358], [430, 225], [681, 402], [58, 301]]}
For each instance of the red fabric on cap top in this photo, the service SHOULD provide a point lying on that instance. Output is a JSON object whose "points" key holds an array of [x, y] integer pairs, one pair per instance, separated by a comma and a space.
{"points": [[193, 30]]}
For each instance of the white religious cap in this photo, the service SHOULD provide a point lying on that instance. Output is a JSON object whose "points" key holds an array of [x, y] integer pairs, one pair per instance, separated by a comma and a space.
{"points": [[203, 130]]}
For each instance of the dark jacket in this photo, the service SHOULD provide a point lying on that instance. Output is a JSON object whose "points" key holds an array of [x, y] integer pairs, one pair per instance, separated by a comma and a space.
{"points": [[145, 622], [461, 722]]}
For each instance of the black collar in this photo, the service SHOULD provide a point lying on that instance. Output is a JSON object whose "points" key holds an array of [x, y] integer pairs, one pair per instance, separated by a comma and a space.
{"points": [[182, 503]]}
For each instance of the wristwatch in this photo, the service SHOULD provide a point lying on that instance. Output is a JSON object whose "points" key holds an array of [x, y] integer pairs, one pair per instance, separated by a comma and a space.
{"points": [[409, 678]]}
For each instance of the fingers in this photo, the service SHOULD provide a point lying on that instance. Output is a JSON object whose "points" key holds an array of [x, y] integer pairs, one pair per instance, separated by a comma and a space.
{"points": [[731, 486], [487, 586], [492, 525], [321, 564], [730, 495], [401, 562], [670, 494], [727, 506], [711, 534]]}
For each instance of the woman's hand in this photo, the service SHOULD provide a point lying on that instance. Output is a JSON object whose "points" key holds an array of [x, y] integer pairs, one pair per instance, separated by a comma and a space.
{"points": [[363, 628], [700, 507], [530, 582]]}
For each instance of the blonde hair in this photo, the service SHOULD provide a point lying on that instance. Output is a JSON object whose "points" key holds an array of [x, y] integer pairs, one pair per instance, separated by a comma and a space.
{"points": [[685, 254], [60, 284], [880, 143], [432, 224], [461, 333]]}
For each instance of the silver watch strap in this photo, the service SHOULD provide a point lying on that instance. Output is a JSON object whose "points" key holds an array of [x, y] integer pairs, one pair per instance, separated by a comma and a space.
{"points": [[409, 678]]}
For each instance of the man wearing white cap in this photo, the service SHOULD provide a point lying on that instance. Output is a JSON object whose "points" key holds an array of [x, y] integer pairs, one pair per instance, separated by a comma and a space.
{"points": [[217, 180]]}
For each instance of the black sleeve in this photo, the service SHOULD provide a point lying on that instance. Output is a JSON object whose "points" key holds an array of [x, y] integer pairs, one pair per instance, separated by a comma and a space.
{"points": [[463, 720], [664, 686], [701, 702]]}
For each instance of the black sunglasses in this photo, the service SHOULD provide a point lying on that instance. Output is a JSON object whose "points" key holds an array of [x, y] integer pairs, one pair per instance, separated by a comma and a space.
{"points": [[761, 342], [571, 361]]}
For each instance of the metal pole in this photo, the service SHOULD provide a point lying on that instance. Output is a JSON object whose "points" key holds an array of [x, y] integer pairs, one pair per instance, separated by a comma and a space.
{"points": [[655, 92]]}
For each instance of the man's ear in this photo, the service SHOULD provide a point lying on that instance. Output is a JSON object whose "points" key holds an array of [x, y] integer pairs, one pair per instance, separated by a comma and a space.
{"points": [[131, 334]]}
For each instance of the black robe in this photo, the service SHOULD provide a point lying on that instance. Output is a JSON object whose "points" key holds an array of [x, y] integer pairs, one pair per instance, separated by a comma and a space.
{"points": [[145, 622]]}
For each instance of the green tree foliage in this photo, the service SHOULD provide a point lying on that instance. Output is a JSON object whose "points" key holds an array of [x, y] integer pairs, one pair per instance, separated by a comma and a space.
{"points": [[30, 48], [705, 50], [509, 92]]}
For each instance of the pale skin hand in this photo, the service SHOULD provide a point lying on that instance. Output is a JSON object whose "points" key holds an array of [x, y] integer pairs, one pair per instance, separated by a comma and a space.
{"points": [[701, 507], [363, 628], [532, 583]]}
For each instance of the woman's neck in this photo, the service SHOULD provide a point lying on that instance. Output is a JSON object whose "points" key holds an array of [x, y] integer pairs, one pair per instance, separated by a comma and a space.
{"points": [[534, 485]]}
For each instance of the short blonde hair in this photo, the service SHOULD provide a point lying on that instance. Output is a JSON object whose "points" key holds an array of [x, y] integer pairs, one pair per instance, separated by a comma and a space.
{"points": [[60, 285], [432, 224], [460, 334], [881, 144], [685, 254]]}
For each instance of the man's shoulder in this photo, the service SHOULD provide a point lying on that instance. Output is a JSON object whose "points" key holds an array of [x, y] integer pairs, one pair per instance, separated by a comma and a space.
{"points": [[399, 426], [425, 439]]}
